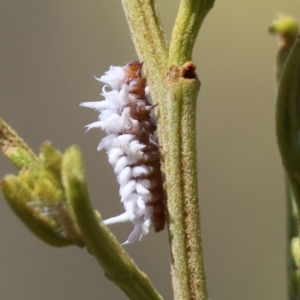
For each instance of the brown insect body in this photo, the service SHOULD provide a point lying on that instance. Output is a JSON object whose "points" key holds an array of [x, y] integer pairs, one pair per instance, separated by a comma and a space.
{"points": [[140, 110]]}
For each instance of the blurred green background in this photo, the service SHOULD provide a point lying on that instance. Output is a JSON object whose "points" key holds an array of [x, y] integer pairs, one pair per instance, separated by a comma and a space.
{"points": [[49, 52]]}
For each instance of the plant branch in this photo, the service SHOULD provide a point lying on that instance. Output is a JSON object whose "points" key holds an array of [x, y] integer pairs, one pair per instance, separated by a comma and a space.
{"points": [[148, 37], [171, 153], [179, 152], [189, 19], [101, 243], [175, 86], [189, 174]]}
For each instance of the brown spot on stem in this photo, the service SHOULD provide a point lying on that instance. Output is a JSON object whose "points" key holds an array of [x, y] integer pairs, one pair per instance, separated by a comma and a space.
{"points": [[188, 70]]}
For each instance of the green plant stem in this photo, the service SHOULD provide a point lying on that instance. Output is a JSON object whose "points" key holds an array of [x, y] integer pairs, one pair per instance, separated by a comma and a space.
{"points": [[179, 152], [190, 187], [171, 153], [101, 243], [189, 19], [174, 86], [148, 37]]}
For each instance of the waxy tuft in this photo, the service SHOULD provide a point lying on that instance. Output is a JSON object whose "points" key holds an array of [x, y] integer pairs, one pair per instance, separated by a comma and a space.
{"points": [[132, 147]]}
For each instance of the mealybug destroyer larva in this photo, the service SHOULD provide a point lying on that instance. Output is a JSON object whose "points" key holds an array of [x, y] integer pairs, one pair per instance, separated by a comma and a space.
{"points": [[132, 147]]}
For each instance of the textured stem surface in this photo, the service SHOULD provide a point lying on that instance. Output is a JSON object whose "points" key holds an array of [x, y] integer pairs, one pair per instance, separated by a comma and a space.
{"points": [[148, 37], [175, 86], [189, 19], [179, 152]]}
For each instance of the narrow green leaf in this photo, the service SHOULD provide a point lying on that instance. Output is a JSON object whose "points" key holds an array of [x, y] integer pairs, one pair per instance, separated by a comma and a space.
{"points": [[51, 159], [27, 207], [14, 148], [288, 119]]}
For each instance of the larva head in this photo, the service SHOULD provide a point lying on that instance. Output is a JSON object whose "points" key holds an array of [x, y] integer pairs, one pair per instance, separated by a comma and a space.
{"points": [[133, 68], [133, 78]]}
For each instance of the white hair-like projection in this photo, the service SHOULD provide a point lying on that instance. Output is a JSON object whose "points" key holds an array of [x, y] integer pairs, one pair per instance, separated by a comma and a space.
{"points": [[132, 148]]}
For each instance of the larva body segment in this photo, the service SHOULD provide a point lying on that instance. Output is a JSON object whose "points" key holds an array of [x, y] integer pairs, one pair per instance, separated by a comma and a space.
{"points": [[132, 148]]}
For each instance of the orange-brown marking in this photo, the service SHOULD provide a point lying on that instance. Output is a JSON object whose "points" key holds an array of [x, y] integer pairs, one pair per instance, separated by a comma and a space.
{"points": [[140, 110]]}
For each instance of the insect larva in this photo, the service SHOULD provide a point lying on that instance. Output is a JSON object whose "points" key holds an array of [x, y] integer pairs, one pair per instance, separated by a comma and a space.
{"points": [[132, 147]]}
